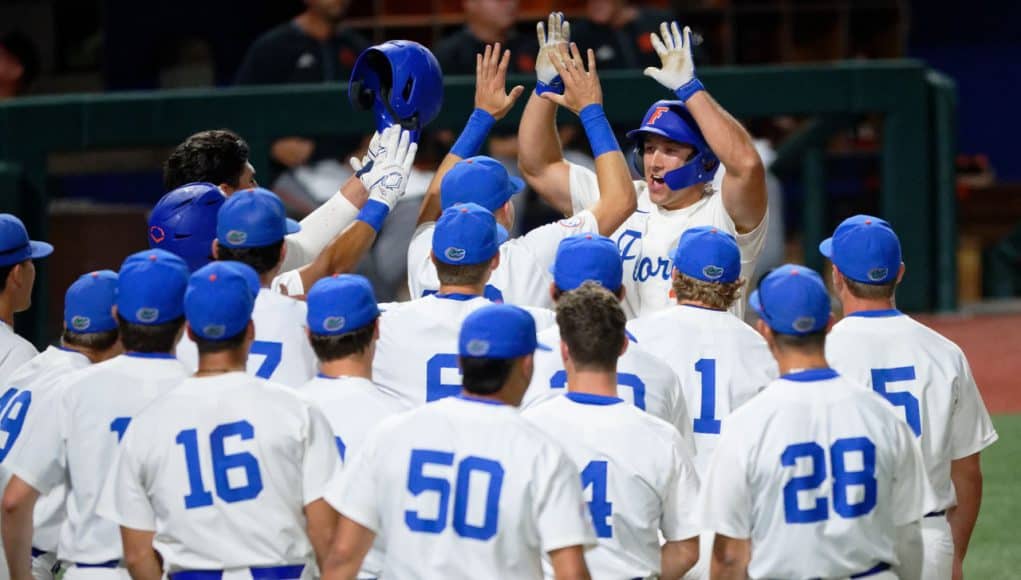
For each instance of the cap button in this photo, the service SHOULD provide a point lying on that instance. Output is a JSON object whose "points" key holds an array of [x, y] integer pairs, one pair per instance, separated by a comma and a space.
{"points": [[152, 257], [868, 222], [95, 274], [212, 277]]}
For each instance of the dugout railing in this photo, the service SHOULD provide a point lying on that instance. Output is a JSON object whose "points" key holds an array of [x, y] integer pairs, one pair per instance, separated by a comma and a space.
{"points": [[918, 108]]}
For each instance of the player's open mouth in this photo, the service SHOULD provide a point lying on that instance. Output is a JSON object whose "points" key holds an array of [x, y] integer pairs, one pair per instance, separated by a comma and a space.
{"points": [[656, 179]]}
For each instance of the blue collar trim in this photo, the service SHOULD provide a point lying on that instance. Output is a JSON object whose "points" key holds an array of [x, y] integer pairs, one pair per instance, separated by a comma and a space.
{"points": [[325, 376], [877, 313], [473, 399], [590, 399], [702, 307], [630, 336], [160, 355], [811, 375], [456, 296]]}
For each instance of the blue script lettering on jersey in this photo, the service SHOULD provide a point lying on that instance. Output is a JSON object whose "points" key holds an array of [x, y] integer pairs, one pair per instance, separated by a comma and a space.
{"points": [[644, 267]]}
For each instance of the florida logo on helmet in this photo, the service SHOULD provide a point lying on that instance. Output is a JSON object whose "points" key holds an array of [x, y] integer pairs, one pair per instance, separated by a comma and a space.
{"points": [[477, 347], [147, 314], [334, 323], [455, 254], [712, 272], [80, 323]]}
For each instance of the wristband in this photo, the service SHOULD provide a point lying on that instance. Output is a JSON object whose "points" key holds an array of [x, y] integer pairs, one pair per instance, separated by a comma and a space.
{"points": [[374, 213], [600, 135], [685, 91], [474, 134], [554, 86]]}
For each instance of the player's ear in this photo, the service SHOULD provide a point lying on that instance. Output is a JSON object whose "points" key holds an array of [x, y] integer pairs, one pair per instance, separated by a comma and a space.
{"points": [[432, 257], [191, 333], [621, 293], [250, 331], [553, 291], [830, 323], [375, 329], [565, 353], [113, 311], [227, 189], [623, 347], [283, 252], [494, 263], [215, 249], [900, 273]]}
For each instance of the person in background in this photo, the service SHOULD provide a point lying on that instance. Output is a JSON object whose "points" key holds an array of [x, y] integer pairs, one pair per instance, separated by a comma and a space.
{"points": [[19, 64], [619, 33], [17, 277]]}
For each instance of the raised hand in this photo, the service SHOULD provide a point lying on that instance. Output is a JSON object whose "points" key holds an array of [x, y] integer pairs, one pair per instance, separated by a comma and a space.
{"points": [[678, 68], [551, 39], [386, 176], [490, 82], [581, 87]]}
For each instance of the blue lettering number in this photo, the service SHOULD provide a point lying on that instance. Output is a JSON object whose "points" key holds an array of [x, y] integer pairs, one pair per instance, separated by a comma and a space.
{"points": [[792, 512], [559, 381], [707, 422], [601, 510], [464, 470], [880, 377], [273, 351], [223, 462], [842, 480], [435, 388], [341, 448], [418, 482], [119, 426], [13, 417]]}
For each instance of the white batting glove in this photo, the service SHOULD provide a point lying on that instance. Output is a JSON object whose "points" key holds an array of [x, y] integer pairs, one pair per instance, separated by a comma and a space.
{"points": [[385, 174], [677, 72], [558, 33]]}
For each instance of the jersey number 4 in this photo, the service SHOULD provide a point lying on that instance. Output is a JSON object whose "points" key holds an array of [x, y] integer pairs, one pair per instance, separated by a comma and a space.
{"points": [[861, 481], [223, 463], [594, 475], [419, 483]]}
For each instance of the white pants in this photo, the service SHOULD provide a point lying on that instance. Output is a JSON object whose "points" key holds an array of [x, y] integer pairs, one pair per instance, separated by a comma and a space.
{"points": [[43, 565], [76, 573], [937, 549]]}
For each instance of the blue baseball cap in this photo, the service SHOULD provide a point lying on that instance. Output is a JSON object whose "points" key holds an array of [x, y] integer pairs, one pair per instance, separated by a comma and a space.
{"points": [[219, 300], [467, 234], [150, 287], [480, 179], [88, 303], [252, 218], [865, 249], [708, 254], [792, 300], [15, 247], [500, 331], [587, 257], [341, 304]]}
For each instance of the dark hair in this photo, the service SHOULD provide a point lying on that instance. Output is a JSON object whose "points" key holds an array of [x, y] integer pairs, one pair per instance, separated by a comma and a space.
{"points": [[485, 376], [592, 326], [217, 156], [813, 342], [462, 275], [149, 338], [25, 51], [94, 341], [337, 346], [213, 346], [262, 259], [870, 291]]}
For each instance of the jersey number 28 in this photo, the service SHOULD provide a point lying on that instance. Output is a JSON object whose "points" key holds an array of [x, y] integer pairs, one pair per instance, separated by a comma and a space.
{"points": [[223, 463], [863, 480]]}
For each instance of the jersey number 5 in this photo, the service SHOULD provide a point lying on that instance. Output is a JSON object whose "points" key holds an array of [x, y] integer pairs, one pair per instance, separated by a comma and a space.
{"points": [[223, 462], [862, 482], [882, 377], [419, 483]]}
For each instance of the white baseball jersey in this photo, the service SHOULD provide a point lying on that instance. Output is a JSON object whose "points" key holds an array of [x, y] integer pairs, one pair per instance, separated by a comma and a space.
{"points": [[281, 352], [924, 375], [522, 278], [642, 379], [721, 361], [221, 469], [353, 406], [648, 238], [32, 391], [14, 351], [818, 475], [416, 355], [463, 488], [76, 441], [637, 476]]}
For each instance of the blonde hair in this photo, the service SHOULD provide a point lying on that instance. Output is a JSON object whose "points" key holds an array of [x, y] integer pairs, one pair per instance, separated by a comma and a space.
{"points": [[712, 294]]}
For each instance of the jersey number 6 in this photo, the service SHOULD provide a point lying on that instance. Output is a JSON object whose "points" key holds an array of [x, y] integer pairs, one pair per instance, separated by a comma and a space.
{"points": [[223, 462]]}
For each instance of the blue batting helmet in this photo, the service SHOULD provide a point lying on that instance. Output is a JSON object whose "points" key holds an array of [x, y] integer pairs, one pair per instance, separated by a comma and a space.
{"points": [[401, 82], [183, 222], [671, 119]]}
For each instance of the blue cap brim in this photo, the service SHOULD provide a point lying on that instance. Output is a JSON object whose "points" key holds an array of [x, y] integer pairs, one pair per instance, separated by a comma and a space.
{"points": [[634, 134], [517, 184], [293, 226], [501, 234], [541, 346], [39, 249], [754, 302], [826, 247]]}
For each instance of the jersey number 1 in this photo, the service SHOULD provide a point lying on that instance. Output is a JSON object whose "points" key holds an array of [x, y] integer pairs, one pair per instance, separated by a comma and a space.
{"points": [[223, 462]]}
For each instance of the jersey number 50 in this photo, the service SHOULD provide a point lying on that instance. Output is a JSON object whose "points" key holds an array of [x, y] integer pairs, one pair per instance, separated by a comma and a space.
{"points": [[419, 483], [863, 481], [223, 462]]}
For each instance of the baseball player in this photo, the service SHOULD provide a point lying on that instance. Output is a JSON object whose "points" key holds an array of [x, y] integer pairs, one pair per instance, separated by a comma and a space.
{"points": [[643, 379], [924, 375], [250, 228], [465, 487], [636, 466], [343, 328], [721, 361], [813, 477], [522, 276], [17, 276], [76, 441], [678, 148], [90, 336], [416, 355], [223, 476]]}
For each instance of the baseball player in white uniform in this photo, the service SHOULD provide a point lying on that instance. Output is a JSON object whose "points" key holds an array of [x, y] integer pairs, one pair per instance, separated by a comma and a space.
{"points": [[17, 276], [924, 375], [75, 443], [343, 329], [90, 336], [465, 487], [635, 468], [813, 477], [522, 277], [642, 379], [679, 146], [416, 355], [224, 475], [250, 228]]}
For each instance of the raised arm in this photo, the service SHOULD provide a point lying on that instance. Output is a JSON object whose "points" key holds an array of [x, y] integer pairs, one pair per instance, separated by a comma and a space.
{"points": [[744, 184], [492, 103]]}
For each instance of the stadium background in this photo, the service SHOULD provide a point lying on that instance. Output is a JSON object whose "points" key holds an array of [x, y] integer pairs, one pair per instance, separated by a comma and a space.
{"points": [[906, 109]]}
